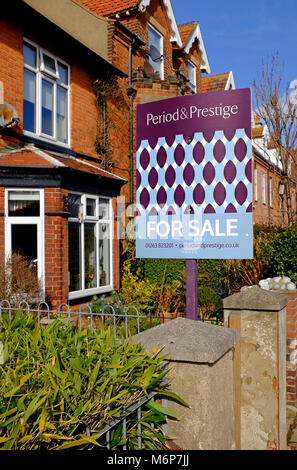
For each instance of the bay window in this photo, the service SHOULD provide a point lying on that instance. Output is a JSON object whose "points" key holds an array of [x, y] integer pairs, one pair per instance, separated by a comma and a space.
{"points": [[46, 95], [90, 232]]}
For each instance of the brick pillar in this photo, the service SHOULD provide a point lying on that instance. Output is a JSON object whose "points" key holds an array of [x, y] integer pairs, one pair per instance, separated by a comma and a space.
{"points": [[291, 347]]}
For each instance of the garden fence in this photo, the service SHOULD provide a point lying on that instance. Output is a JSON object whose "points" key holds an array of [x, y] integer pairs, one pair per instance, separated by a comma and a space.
{"points": [[124, 322]]}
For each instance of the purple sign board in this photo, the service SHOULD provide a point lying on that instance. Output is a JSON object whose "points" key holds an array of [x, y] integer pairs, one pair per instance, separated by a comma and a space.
{"points": [[194, 177]]}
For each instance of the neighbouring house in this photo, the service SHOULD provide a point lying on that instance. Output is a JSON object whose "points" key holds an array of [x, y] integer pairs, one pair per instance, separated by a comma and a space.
{"points": [[71, 75], [268, 197], [56, 198]]}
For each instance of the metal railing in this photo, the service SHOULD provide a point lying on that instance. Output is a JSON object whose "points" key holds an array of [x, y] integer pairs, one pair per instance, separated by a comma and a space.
{"points": [[123, 321], [127, 321]]}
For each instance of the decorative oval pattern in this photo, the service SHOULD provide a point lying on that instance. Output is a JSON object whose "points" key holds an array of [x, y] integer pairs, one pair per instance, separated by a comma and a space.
{"points": [[208, 135], [250, 208], [248, 171], [153, 211], [219, 194], [161, 157], [219, 151], [208, 173], [144, 159], [198, 152], [153, 142], [240, 193], [170, 176], [189, 210], [170, 211], [170, 139], [189, 174], [144, 198], [230, 209], [179, 154], [240, 149], [153, 178], [138, 179], [209, 209], [229, 133], [199, 194], [179, 196], [230, 172], [161, 197]]}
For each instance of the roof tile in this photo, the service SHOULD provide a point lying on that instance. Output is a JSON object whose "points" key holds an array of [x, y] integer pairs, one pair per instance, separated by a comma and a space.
{"points": [[216, 82], [108, 7]]}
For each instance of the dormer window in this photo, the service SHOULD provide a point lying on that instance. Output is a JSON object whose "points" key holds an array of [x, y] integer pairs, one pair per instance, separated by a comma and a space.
{"points": [[192, 76], [46, 95], [155, 44]]}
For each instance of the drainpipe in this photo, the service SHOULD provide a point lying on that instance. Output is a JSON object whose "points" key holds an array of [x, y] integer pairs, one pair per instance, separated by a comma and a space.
{"points": [[135, 42], [131, 91]]}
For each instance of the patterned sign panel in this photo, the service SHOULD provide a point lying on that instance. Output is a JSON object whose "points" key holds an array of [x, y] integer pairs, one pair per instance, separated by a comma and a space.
{"points": [[194, 177]]}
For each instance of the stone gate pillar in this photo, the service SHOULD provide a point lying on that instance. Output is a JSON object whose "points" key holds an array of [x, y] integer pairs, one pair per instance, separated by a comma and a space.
{"points": [[260, 318]]}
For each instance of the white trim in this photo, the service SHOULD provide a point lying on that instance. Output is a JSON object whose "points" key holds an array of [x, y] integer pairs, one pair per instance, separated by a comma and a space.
{"points": [[194, 84], [161, 49], [42, 73], [230, 85], [175, 36], [38, 221], [263, 187], [196, 34], [256, 184], [96, 221]]}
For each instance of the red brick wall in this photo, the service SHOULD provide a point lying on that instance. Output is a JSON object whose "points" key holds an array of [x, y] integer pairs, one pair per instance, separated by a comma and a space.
{"points": [[273, 214], [11, 69], [56, 247]]}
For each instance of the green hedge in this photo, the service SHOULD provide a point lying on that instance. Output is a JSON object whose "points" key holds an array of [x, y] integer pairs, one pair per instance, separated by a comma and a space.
{"points": [[56, 379]]}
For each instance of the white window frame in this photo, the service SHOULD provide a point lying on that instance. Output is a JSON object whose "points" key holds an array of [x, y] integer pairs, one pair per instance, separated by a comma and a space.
{"points": [[192, 84], [270, 191], [41, 72], [161, 51], [82, 219], [31, 220], [263, 188], [255, 184]]}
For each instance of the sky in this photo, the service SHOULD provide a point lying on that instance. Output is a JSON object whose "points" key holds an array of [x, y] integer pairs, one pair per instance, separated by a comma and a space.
{"points": [[239, 34]]}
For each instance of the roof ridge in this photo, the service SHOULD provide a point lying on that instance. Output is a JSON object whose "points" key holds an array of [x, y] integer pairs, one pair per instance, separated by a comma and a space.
{"points": [[216, 74]]}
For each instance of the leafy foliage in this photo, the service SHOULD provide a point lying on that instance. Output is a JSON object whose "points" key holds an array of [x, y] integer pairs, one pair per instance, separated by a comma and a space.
{"points": [[136, 291], [57, 380], [284, 253], [18, 281]]}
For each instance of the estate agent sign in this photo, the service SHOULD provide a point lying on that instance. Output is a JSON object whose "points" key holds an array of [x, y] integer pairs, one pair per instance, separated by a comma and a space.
{"points": [[194, 177]]}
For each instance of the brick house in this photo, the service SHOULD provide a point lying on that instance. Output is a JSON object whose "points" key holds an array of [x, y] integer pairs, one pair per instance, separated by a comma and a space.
{"points": [[64, 156], [56, 199], [268, 195]]}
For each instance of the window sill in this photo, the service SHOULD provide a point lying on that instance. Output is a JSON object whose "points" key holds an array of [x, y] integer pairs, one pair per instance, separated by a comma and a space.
{"points": [[89, 292], [38, 138]]}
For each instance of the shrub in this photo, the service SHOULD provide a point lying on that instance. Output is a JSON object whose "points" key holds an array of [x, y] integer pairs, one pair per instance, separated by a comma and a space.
{"points": [[284, 253], [165, 271], [18, 281], [57, 380], [138, 292]]}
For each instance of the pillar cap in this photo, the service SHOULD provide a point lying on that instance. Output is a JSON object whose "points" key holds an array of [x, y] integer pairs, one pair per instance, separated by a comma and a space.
{"points": [[189, 340], [257, 299]]}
